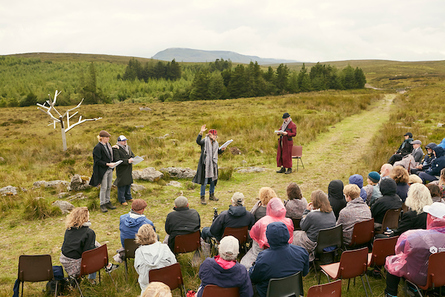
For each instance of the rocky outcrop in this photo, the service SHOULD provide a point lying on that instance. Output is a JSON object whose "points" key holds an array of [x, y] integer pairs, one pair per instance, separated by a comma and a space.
{"points": [[8, 191], [149, 173], [64, 206], [50, 184], [137, 188], [174, 183], [178, 172], [79, 183], [249, 169]]}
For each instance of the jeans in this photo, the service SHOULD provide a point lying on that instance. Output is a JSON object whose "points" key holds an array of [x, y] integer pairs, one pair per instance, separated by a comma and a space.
{"points": [[105, 187], [212, 186], [124, 193], [427, 177]]}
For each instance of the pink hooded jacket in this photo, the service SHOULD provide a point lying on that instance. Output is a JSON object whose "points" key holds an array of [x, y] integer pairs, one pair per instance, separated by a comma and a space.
{"points": [[413, 249], [275, 212]]}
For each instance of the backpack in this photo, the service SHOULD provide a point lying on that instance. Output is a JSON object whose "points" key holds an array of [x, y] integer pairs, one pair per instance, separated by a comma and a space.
{"points": [[59, 280]]}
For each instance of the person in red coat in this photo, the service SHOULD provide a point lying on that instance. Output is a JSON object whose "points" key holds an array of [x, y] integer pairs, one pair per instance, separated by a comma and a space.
{"points": [[285, 144]]}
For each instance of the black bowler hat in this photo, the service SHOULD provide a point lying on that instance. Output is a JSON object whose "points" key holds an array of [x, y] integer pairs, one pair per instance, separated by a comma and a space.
{"points": [[286, 115]]}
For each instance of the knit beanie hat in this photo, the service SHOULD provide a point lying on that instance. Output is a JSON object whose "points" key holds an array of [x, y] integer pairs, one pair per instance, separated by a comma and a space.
{"points": [[374, 176]]}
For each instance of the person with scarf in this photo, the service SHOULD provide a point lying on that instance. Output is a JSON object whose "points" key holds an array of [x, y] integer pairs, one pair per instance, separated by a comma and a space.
{"points": [[285, 143], [124, 177], [404, 149], [207, 172], [103, 170]]}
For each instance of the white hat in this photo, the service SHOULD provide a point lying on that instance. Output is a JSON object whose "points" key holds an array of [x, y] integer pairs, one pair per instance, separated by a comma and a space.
{"points": [[229, 248], [437, 209], [238, 198], [121, 138]]}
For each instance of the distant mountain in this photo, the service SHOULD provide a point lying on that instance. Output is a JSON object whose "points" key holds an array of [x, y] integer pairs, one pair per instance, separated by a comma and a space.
{"points": [[194, 55]]}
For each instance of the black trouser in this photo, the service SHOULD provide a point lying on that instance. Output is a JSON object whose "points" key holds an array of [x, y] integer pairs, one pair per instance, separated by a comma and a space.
{"points": [[392, 284], [394, 158]]}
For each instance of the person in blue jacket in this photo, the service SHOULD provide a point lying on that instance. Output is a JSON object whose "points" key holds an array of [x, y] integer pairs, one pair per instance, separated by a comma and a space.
{"points": [[280, 260], [437, 165], [132, 221]]}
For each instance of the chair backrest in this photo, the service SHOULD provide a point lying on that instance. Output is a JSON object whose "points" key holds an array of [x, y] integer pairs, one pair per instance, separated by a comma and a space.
{"points": [[363, 232], [187, 243], [35, 268], [391, 219], [286, 286], [169, 275], [215, 291], [332, 289], [436, 277], [239, 233], [296, 224], [94, 260], [329, 237], [297, 151], [130, 247], [382, 248], [353, 263]]}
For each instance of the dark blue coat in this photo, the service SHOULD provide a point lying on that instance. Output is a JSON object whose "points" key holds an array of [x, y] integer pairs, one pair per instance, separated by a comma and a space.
{"points": [[280, 260], [235, 217], [438, 163]]}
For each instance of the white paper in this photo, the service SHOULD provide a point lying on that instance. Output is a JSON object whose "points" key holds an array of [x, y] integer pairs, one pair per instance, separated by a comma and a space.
{"points": [[137, 160], [116, 164], [279, 131], [225, 144]]}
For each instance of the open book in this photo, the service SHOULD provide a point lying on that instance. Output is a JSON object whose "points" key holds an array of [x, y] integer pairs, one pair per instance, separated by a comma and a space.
{"points": [[279, 131], [137, 160], [116, 164], [225, 144]]}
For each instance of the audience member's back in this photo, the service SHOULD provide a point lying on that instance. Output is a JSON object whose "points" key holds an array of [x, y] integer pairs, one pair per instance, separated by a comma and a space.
{"points": [[389, 200], [336, 197]]}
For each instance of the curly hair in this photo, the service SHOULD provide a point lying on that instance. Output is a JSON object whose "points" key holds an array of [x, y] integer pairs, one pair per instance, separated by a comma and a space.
{"points": [[399, 175], [266, 194], [434, 190], [293, 191], [77, 217], [157, 289], [351, 190], [320, 201], [418, 197], [146, 235], [442, 177]]}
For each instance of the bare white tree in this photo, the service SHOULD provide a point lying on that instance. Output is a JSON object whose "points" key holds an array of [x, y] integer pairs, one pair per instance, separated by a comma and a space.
{"points": [[59, 118]]}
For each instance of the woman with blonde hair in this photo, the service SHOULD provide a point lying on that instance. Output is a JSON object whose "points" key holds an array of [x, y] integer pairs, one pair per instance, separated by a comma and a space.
{"points": [[401, 176], [318, 215], [157, 289], [150, 255], [259, 209], [415, 218]]}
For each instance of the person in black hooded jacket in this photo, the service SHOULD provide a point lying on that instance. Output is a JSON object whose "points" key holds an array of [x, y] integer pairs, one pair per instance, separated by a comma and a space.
{"points": [[404, 149], [336, 196], [437, 165], [389, 200]]}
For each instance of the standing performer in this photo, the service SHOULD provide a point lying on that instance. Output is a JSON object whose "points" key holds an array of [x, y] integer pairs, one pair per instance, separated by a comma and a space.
{"points": [[124, 178], [285, 144], [207, 171]]}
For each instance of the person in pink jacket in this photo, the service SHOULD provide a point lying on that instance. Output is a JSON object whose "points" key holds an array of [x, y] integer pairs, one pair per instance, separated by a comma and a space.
{"points": [[413, 249]]}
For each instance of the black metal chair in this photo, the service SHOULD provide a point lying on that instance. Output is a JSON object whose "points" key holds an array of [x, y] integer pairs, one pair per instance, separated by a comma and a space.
{"points": [[286, 286]]}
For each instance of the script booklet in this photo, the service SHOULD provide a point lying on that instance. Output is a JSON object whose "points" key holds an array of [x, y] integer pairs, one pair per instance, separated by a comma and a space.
{"points": [[279, 131], [226, 144], [137, 160], [116, 164]]}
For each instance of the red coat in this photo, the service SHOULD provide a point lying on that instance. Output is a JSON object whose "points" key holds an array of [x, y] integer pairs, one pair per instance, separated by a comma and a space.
{"points": [[285, 144]]}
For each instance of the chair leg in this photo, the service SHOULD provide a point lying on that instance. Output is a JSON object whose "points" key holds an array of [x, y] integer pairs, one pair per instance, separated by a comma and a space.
{"points": [[112, 280], [22, 287], [364, 287], [57, 285], [369, 285], [126, 269], [349, 281], [77, 285]]}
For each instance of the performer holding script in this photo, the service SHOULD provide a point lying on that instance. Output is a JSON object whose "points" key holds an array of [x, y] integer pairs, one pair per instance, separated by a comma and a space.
{"points": [[285, 143]]}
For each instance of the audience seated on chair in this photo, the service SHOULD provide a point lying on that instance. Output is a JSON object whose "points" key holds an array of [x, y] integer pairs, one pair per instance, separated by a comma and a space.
{"points": [[404, 149], [401, 177], [357, 179], [157, 289], [296, 204], [435, 192], [427, 159], [150, 255], [318, 215], [259, 209], [389, 200], [183, 220], [336, 197], [413, 179], [413, 249], [224, 271], [236, 216], [280, 260], [437, 165], [385, 171], [355, 211], [373, 188], [276, 212]]}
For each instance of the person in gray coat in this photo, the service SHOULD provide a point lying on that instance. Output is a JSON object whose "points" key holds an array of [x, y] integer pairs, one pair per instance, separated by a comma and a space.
{"points": [[124, 178]]}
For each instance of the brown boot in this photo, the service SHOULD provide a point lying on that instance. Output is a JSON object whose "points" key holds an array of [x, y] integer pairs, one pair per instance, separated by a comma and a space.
{"points": [[203, 200], [212, 197]]}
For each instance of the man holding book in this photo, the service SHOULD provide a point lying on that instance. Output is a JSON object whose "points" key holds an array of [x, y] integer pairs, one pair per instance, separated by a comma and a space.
{"points": [[285, 143]]}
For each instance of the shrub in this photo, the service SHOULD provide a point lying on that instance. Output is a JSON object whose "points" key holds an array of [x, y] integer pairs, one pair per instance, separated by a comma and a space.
{"points": [[38, 208], [225, 173]]}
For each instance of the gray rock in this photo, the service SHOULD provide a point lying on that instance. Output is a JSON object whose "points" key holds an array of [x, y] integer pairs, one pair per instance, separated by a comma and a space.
{"points": [[178, 172], [250, 169], [137, 188], [174, 183], [64, 206], [2, 159], [8, 191], [149, 173], [145, 108], [62, 195], [50, 184], [77, 196], [79, 183], [439, 125]]}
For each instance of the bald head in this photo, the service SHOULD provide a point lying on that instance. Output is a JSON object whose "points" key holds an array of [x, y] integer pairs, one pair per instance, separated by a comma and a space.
{"points": [[385, 170]]}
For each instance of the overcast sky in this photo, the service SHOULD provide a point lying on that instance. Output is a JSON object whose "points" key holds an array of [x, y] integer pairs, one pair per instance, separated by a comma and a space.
{"points": [[302, 30]]}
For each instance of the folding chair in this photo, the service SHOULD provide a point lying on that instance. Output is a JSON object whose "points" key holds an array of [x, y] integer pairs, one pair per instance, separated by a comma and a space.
{"points": [[326, 290], [93, 261], [169, 275], [381, 248], [130, 247], [35, 268], [362, 234], [215, 291], [327, 238], [390, 220], [286, 286], [435, 275], [296, 224], [297, 153], [240, 233], [187, 243], [352, 263]]}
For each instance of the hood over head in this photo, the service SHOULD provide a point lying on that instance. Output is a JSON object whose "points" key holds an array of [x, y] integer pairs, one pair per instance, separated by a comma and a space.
{"points": [[275, 208], [439, 151], [335, 189], [388, 187], [356, 179], [430, 145], [237, 211], [277, 234]]}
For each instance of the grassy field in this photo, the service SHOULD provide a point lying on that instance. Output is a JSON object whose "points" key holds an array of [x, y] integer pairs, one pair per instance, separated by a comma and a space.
{"points": [[342, 133]]}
